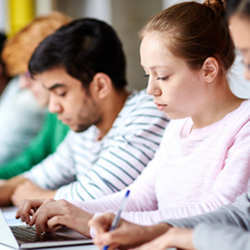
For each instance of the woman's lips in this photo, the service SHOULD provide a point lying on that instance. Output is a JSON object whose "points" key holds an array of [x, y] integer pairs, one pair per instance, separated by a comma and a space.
{"points": [[161, 106]]}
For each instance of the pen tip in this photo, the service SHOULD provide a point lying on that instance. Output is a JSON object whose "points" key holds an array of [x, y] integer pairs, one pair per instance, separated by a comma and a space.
{"points": [[127, 193]]}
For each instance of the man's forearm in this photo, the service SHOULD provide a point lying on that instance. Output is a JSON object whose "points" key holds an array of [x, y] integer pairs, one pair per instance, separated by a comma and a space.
{"points": [[8, 188]]}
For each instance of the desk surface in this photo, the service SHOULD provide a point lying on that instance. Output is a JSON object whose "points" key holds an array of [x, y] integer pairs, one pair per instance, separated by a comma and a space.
{"points": [[88, 247]]}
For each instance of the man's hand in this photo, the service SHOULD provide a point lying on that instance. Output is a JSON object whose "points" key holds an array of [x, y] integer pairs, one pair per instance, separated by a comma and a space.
{"points": [[48, 215], [180, 238], [28, 191], [126, 235], [27, 208]]}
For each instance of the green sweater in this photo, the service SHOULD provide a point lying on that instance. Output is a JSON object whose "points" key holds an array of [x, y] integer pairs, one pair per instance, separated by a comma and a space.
{"points": [[46, 142]]}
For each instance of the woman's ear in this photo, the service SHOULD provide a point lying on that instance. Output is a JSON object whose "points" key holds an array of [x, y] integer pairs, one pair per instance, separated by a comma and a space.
{"points": [[210, 69], [101, 85]]}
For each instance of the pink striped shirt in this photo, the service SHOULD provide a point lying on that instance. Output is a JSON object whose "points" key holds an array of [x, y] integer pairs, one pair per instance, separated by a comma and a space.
{"points": [[194, 171]]}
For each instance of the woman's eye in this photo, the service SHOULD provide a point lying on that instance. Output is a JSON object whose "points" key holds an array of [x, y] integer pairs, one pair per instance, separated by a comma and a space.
{"points": [[146, 75], [163, 78]]}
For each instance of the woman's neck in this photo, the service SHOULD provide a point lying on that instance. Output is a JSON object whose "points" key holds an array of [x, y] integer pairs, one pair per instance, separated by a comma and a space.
{"points": [[220, 102]]}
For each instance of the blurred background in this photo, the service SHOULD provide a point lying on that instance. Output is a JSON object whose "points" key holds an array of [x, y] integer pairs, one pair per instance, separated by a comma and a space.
{"points": [[126, 16]]}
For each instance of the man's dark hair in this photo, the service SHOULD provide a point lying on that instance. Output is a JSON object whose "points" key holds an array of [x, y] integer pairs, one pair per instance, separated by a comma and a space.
{"points": [[2, 41], [83, 48]]}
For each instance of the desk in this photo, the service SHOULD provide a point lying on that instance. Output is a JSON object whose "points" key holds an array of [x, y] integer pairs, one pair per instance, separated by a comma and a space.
{"points": [[89, 247]]}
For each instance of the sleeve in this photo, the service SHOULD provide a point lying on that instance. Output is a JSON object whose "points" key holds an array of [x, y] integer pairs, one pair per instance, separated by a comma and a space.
{"points": [[235, 214], [124, 157], [214, 236], [56, 170], [35, 153], [142, 196]]}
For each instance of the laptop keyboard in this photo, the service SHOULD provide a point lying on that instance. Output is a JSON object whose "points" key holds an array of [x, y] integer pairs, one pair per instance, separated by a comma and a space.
{"points": [[26, 234]]}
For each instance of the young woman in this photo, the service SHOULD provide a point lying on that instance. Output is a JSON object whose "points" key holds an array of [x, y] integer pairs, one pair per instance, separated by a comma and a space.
{"points": [[203, 161], [226, 228]]}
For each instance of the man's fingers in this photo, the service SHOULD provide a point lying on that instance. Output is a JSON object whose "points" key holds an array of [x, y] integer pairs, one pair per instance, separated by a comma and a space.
{"points": [[42, 215], [55, 223], [26, 209]]}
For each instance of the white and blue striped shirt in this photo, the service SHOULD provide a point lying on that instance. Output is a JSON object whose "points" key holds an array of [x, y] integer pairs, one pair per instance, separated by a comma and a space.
{"points": [[84, 168]]}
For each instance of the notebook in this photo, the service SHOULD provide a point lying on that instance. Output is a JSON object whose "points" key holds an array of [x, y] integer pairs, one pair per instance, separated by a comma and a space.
{"points": [[22, 236]]}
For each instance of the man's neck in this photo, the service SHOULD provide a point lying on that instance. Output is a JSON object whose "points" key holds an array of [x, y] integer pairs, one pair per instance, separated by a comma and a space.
{"points": [[111, 109]]}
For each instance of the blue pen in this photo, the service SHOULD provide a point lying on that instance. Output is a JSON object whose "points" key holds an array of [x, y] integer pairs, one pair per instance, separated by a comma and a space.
{"points": [[118, 215]]}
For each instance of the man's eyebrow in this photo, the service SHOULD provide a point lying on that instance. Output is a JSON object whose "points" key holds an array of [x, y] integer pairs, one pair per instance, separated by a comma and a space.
{"points": [[56, 85]]}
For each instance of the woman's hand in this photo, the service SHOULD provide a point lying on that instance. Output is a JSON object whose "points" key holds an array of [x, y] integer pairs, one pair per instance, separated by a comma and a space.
{"points": [[126, 235]]}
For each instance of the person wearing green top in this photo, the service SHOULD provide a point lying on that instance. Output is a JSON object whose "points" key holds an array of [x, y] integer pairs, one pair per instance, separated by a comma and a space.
{"points": [[52, 134]]}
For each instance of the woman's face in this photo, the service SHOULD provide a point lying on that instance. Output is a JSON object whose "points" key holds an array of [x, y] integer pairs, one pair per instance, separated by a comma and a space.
{"points": [[240, 31], [177, 90]]}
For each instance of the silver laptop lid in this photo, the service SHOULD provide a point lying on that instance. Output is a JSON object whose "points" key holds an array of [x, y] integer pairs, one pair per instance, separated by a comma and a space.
{"points": [[6, 236]]}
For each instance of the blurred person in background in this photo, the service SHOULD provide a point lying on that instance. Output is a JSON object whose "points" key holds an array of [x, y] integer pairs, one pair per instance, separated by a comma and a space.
{"points": [[23, 102], [3, 76]]}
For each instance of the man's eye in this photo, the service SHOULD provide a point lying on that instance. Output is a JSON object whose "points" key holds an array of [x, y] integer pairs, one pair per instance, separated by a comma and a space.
{"points": [[163, 78], [62, 94], [146, 75]]}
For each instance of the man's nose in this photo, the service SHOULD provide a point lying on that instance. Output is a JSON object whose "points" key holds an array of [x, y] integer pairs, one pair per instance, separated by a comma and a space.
{"points": [[54, 107]]}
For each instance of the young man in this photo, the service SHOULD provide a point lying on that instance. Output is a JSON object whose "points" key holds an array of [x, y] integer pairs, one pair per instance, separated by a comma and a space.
{"points": [[114, 133]]}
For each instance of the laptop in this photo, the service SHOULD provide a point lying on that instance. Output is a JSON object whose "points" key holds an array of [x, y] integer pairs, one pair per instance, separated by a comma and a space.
{"points": [[25, 237]]}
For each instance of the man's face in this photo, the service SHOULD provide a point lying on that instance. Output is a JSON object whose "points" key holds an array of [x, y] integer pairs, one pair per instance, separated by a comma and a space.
{"points": [[67, 97]]}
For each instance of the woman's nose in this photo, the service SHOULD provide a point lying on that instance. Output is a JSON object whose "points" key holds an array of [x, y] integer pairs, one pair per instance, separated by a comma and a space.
{"points": [[153, 89]]}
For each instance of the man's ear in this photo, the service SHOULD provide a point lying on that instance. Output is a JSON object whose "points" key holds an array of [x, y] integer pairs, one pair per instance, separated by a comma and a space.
{"points": [[101, 85], [210, 69]]}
